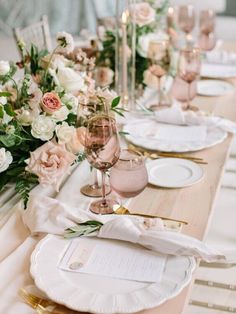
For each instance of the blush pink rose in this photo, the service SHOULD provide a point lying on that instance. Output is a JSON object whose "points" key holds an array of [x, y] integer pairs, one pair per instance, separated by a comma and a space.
{"points": [[104, 76], [143, 13], [51, 102], [50, 162]]}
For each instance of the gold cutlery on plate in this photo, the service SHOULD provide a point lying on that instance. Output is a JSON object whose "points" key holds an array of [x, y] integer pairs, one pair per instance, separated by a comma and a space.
{"points": [[154, 155], [124, 211], [43, 306]]}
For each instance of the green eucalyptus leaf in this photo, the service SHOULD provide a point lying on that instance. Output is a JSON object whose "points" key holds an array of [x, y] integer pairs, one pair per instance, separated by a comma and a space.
{"points": [[1, 112], [5, 94], [9, 110], [8, 140], [115, 102]]}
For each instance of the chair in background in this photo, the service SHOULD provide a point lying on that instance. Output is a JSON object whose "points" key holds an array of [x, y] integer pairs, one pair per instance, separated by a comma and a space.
{"points": [[214, 290], [37, 33]]}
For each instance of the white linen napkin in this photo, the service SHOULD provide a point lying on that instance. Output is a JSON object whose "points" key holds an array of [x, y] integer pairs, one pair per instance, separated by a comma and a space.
{"points": [[175, 115], [48, 215]]}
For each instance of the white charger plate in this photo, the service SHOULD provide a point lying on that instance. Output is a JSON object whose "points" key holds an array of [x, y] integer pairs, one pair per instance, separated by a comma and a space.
{"points": [[214, 88], [134, 135], [97, 294], [173, 172]]}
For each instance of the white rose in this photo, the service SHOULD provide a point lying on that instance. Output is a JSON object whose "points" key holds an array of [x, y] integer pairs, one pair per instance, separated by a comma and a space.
{"points": [[144, 42], [66, 42], [4, 67], [143, 13], [64, 133], [5, 159], [71, 102], [61, 114], [104, 76], [69, 79], [43, 127]]}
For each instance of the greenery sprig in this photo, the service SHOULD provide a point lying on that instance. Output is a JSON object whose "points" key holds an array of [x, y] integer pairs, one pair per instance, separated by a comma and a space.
{"points": [[83, 229]]}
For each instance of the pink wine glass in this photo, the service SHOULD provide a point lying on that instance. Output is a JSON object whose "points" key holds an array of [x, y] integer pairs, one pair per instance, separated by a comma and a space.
{"points": [[102, 150]]}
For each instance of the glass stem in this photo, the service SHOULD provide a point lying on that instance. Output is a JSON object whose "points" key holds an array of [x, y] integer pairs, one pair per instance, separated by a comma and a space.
{"points": [[188, 98], [159, 89], [94, 184], [104, 202]]}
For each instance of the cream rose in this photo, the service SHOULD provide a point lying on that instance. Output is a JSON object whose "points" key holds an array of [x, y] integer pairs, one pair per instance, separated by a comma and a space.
{"points": [[64, 132], [50, 162], [56, 61], [4, 67], [66, 42], [69, 79], [144, 42], [43, 127], [61, 114], [51, 102], [26, 116], [143, 13], [5, 159], [104, 76]]}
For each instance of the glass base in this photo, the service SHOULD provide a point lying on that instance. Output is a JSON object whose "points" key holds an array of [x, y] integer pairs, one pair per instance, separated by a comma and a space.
{"points": [[94, 190], [100, 208]]}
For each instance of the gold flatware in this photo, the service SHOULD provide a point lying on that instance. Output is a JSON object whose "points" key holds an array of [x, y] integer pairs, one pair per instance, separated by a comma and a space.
{"points": [[43, 306], [156, 155], [124, 211]]}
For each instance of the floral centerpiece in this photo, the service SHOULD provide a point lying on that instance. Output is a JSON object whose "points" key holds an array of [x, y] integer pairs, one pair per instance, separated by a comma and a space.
{"points": [[149, 17], [39, 135]]}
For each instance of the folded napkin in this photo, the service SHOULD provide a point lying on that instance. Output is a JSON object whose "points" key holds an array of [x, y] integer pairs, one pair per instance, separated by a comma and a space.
{"points": [[48, 215], [177, 116]]}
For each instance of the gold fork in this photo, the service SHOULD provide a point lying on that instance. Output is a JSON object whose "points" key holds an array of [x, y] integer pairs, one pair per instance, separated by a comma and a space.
{"points": [[154, 155], [43, 306]]}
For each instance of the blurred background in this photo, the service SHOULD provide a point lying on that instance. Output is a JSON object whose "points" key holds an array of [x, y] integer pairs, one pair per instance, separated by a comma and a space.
{"points": [[75, 15]]}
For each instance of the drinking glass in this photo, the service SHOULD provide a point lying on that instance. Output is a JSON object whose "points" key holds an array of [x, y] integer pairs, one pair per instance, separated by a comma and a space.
{"points": [[85, 112], [207, 39], [186, 20], [129, 177], [189, 68], [102, 151], [159, 55]]}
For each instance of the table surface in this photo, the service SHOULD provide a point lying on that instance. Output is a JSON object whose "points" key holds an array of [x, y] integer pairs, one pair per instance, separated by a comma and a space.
{"points": [[193, 204]]}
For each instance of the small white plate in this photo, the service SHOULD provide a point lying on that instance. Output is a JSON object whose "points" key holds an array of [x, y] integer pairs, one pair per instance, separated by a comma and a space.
{"points": [[173, 172], [97, 294], [214, 88]]}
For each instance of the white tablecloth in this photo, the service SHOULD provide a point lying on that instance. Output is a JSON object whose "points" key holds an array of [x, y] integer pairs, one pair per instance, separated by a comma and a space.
{"points": [[16, 244]]}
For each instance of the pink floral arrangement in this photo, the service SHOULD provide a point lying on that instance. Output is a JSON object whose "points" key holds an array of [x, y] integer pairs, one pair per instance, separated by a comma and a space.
{"points": [[39, 135]]}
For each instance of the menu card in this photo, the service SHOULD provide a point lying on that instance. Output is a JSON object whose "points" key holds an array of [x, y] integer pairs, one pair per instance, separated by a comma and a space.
{"points": [[111, 258]]}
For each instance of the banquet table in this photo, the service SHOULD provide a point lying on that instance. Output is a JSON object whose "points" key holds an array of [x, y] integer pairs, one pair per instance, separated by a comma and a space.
{"points": [[193, 204]]}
